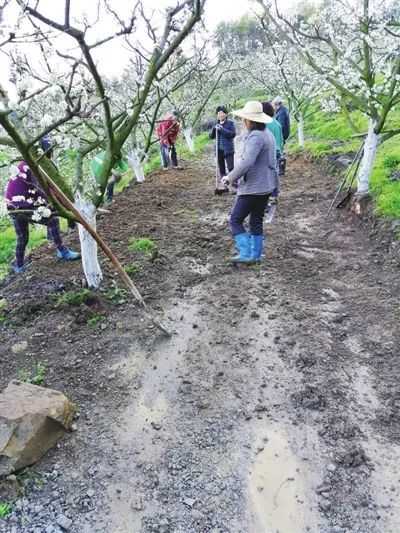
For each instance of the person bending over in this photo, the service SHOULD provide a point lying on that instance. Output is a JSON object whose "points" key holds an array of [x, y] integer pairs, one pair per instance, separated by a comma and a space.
{"points": [[23, 193]]}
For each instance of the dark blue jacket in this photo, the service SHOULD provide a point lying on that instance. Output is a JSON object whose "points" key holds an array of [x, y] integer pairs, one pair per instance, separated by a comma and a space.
{"points": [[282, 116], [228, 133]]}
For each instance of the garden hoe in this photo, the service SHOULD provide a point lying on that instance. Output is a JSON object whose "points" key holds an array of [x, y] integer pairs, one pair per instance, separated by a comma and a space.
{"points": [[219, 188]]}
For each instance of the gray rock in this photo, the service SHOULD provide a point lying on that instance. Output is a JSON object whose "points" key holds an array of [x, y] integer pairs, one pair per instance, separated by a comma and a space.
{"points": [[64, 522], [137, 502], [90, 493], [325, 505], [189, 501], [342, 162], [33, 419], [19, 347], [38, 509]]}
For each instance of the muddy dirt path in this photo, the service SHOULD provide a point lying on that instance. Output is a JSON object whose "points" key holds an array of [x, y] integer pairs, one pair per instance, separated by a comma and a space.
{"points": [[275, 405]]}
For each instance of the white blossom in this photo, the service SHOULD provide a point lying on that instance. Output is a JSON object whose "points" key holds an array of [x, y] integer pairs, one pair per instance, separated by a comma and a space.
{"points": [[44, 211], [18, 198]]}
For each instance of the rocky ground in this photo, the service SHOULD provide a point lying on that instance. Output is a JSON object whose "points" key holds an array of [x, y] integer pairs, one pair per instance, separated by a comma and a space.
{"points": [[275, 405]]}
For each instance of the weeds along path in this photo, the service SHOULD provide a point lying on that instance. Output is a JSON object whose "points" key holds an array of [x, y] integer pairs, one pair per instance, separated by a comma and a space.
{"points": [[274, 407]]}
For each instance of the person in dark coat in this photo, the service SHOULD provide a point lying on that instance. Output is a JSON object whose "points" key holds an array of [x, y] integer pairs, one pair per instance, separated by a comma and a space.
{"points": [[226, 131], [282, 116]]}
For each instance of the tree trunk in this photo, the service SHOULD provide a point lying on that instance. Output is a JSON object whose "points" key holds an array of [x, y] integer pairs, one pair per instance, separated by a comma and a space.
{"points": [[90, 262], [188, 134], [370, 150], [300, 130], [134, 159]]}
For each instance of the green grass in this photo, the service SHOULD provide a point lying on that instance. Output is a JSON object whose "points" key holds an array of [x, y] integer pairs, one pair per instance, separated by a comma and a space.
{"points": [[2, 311], [143, 244], [154, 160], [116, 293], [133, 268], [124, 182], [96, 319], [386, 191], [328, 133], [36, 378], [74, 298], [5, 508]]}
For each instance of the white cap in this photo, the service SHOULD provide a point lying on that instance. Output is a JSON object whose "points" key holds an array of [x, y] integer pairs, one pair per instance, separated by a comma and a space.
{"points": [[277, 100]]}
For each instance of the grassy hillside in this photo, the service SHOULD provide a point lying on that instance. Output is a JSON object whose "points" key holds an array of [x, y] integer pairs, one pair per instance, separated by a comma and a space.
{"points": [[327, 133]]}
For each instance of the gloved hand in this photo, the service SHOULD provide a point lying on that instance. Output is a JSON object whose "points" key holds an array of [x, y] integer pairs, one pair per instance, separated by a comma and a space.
{"points": [[218, 127], [226, 181]]}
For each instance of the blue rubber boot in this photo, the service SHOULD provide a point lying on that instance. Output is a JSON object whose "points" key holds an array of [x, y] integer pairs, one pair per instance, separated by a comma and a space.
{"points": [[257, 242], [67, 255], [242, 242], [18, 270]]}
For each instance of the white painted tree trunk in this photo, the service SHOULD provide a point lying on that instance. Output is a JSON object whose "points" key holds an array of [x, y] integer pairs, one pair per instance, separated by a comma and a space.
{"points": [[367, 163], [188, 134], [90, 262], [300, 131], [134, 160]]}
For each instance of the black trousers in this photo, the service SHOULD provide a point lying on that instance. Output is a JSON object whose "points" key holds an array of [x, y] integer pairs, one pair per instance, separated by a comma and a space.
{"points": [[222, 158], [245, 205]]}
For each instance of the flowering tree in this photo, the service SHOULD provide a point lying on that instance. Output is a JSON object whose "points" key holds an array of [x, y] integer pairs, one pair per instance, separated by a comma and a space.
{"points": [[280, 70], [355, 47], [78, 100]]}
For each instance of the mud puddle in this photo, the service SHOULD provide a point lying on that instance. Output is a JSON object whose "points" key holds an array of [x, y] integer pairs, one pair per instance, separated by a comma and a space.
{"points": [[277, 490]]}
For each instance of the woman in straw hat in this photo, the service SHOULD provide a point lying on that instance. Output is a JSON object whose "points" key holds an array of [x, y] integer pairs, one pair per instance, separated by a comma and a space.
{"points": [[255, 177]]}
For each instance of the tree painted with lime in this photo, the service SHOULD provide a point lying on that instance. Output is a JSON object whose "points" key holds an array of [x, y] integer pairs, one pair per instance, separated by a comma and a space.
{"points": [[62, 90], [355, 47]]}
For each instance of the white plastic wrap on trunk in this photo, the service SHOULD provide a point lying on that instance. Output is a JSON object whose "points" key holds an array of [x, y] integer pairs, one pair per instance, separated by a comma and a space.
{"points": [[90, 262], [188, 134], [370, 150], [134, 160]]}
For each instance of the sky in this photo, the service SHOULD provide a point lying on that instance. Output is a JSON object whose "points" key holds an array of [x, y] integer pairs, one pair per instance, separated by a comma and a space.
{"points": [[113, 56]]}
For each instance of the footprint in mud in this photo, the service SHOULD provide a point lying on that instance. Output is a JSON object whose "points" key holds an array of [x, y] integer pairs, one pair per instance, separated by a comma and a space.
{"points": [[310, 398]]}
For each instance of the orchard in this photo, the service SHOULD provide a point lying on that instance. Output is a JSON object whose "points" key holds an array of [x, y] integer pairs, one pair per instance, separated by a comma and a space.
{"points": [[199, 264]]}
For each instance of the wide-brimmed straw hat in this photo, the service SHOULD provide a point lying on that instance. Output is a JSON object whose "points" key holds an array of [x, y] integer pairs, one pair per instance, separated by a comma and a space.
{"points": [[253, 111]]}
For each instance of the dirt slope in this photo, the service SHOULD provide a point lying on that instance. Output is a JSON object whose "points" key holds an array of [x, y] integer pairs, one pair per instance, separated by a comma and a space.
{"points": [[274, 407]]}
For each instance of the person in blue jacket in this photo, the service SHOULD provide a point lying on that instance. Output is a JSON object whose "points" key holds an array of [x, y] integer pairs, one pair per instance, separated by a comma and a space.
{"points": [[226, 133]]}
